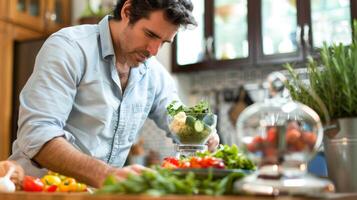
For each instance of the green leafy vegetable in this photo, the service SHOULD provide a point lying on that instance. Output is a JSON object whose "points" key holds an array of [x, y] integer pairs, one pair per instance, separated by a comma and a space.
{"points": [[163, 182], [198, 111]]}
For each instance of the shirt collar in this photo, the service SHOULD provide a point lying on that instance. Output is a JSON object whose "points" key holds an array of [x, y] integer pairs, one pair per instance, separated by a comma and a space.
{"points": [[105, 37]]}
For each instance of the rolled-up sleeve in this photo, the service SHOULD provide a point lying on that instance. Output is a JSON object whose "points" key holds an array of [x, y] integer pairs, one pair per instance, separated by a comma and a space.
{"points": [[48, 96]]}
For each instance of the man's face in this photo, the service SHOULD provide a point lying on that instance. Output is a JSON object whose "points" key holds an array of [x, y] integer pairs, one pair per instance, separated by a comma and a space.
{"points": [[139, 41]]}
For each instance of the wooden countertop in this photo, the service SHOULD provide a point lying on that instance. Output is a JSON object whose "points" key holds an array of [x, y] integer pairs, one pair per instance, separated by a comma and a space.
{"points": [[83, 196]]}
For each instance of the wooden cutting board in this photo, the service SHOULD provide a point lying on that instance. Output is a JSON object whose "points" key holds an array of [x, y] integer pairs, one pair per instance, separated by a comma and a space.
{"points": [[85, 196]]}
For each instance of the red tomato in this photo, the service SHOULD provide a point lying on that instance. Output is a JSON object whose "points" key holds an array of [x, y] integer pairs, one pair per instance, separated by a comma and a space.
{"points": [[172, 160], [292, 136], [310, 138], [32, 184], [271, 155], [168, 165], [219, 165], [270, 152], [184, 164], [255, 144], [196, 162], [272, 135], [299, 145], [209, 161]]}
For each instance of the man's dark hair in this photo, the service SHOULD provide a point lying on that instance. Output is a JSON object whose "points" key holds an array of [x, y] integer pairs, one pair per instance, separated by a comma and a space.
{"points": [[178, 12]]}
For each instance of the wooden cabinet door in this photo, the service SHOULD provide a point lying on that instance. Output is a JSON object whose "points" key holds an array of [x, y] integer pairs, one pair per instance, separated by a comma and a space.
{"points": [[6, 57], [9, 33], [57, 15], [3, 9], [28, 13]]}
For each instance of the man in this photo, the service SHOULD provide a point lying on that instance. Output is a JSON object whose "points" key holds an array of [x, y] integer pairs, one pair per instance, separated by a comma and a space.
{"points": [[92, 88]]}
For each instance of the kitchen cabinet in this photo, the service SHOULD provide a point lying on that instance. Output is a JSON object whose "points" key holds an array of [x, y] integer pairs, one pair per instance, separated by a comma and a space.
{"points": [[44, 16], [256, 33], [9, 33], [28, 13], [3, 10], [57, 15], [22, 20], [6, 81]]}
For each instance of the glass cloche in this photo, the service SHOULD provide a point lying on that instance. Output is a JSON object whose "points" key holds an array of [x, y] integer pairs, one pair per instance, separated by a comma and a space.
{"points": [[281, 136]]}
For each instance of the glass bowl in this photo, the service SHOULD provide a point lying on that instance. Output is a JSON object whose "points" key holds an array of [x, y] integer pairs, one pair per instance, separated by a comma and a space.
{"points": [[191, 132], [192, 129]]}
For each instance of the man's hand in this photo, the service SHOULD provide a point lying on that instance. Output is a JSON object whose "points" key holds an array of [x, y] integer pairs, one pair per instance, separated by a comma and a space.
{"points": [[122, 173], [213, 141], [18, 174]]}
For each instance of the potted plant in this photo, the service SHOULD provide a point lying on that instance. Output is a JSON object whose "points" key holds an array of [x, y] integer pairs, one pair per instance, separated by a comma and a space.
{"points": [[332, 92]]}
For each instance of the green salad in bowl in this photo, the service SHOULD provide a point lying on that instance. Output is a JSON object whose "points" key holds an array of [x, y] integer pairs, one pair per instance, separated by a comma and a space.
{"points": [[191, 125]]}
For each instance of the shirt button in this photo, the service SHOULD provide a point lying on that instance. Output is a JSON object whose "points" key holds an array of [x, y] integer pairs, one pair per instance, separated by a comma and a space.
{"points": [[131, 138], [141, 71]]}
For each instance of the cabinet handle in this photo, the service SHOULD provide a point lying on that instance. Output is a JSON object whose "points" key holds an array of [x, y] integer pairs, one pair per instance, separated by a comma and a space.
{"points": [[209, 46], [306, 38], [51, 16]]}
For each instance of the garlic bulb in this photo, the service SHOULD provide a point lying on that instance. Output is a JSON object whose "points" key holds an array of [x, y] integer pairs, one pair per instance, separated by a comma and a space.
{"points": [[6, 185]]}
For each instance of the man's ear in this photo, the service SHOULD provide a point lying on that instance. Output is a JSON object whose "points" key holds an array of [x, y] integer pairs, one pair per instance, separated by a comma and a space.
{"points": [[125, 11]]}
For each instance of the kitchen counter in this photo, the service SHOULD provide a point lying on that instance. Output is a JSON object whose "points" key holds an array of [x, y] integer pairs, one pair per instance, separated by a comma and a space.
{"points": [[83, 196]]}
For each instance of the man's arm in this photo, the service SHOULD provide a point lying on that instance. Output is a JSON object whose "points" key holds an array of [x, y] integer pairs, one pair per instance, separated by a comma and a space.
{"points": [[60, 156]]}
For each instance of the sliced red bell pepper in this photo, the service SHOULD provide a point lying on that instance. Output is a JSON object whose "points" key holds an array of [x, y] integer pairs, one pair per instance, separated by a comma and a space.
{"points": [[32, 184], [51, 188]]}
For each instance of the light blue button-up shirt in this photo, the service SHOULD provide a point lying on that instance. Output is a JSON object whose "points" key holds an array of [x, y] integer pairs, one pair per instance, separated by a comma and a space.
{"points": [[75, 92]]}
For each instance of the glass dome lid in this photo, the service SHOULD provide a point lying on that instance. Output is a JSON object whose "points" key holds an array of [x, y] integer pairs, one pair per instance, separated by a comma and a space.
{"points": [[279, 131], [280, 136]]}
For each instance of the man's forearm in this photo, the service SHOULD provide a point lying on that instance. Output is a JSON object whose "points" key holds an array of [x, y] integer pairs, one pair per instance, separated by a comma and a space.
{"points": [[60, 156]]}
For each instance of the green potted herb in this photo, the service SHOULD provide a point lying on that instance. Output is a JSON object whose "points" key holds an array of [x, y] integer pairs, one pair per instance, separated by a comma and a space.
{"points": [[332, 93]]}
